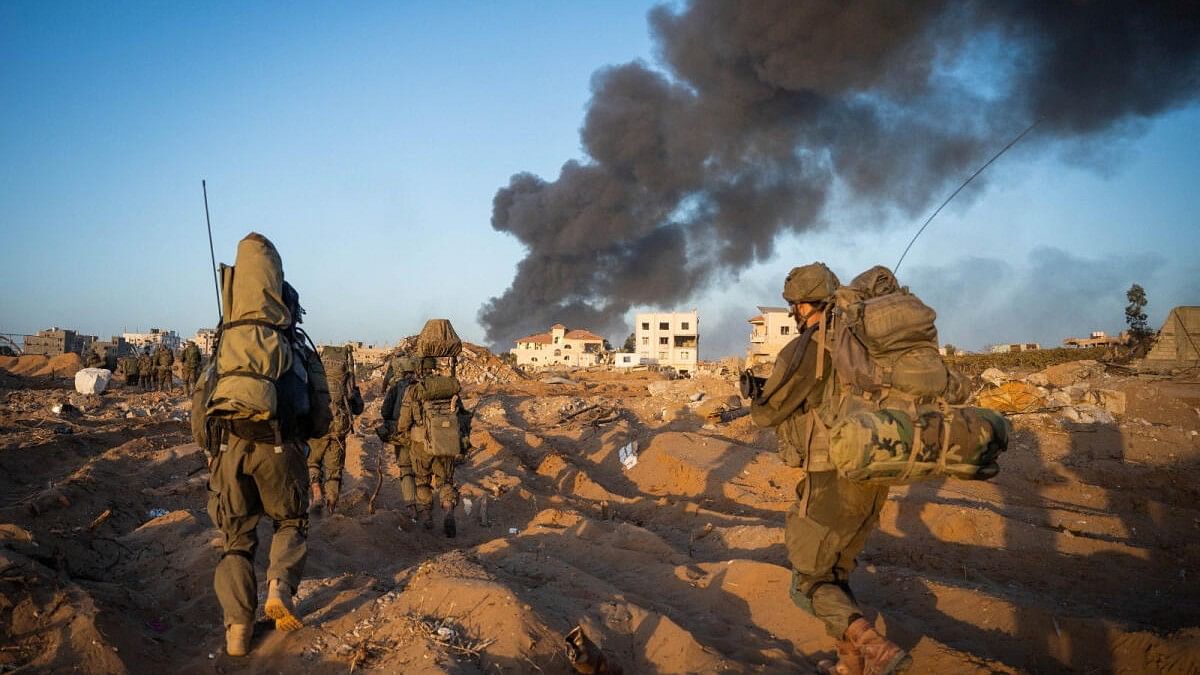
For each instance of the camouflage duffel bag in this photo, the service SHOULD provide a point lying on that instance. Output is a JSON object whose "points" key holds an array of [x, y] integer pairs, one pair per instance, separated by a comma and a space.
{"points": [[889, 447]]}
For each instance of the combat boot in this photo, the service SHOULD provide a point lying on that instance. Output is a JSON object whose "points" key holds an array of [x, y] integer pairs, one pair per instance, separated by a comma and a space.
{"points": [[880, 656], [449, 527], [279, 606], [849, 661], [237, 638]]}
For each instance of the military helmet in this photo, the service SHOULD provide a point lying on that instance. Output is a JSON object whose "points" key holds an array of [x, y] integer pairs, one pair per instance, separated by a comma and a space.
{"points": [[810, 283]]}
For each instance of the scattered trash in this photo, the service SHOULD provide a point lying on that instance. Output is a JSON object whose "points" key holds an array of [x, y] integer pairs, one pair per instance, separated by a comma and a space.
{"points": [[628, 455], [446, 633], [1012, 397], [157, 513]]}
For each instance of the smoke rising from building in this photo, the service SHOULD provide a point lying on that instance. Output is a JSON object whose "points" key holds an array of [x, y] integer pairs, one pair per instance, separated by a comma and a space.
{"points": [[761, 110]]}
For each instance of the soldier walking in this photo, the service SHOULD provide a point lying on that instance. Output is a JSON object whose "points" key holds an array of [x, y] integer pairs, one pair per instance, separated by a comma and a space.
{"points": [[830, 521], [327, 454]]}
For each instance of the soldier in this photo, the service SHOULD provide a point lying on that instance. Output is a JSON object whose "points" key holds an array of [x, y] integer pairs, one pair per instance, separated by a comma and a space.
{"points": [[829, 523], [431, 470], [128, 367], [191, 365], [401, 374], [145, 368], [326, 455], [164, 361]]}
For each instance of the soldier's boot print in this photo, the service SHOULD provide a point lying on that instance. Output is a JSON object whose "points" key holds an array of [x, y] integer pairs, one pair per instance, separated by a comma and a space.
{"points": [[849, 661], [880, 656], [237, 639], [279, 606]]}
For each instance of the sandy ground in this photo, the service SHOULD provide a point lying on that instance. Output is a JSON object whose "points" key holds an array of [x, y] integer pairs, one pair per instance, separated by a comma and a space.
{"points": [[1083, 555]]}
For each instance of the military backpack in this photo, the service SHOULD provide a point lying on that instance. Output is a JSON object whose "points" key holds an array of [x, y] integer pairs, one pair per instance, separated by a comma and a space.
{"points": [[892, 407]]}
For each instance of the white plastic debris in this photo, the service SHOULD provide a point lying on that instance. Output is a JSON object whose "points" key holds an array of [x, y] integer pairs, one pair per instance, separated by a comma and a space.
{"points": [[467, 505], [445, 633], [157, 513], [92, 380], [628, 455], [513, 530]]}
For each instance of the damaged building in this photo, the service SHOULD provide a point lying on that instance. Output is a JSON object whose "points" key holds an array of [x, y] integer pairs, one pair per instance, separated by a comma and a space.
{"points": [[665, 339], [770, 330]]}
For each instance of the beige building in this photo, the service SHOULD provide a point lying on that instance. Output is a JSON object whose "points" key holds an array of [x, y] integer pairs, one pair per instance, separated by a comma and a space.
{"points": [[205, 339], [559, 347], [155, 337], [770, 330], [668, 339]]}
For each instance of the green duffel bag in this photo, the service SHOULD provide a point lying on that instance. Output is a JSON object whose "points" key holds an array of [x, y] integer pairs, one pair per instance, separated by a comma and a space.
{"points": [[889, 447]]}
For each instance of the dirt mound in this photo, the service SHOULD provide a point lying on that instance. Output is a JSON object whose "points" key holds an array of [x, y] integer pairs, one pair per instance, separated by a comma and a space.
{"points": [[1079, 556], [36, 365]]}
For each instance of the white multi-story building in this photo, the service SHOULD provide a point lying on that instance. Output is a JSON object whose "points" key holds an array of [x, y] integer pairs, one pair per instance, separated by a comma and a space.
{"points": [[559, 347], [205, 339], [769, 332], [668, 339], [156, 336]]}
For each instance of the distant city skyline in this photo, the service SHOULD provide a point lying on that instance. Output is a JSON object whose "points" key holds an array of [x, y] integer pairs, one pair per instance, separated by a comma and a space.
{"points": [[368, 144]]}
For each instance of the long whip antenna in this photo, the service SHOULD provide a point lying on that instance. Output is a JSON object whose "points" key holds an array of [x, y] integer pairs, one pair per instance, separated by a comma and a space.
{"points": [[960, 189], [211, 252]]}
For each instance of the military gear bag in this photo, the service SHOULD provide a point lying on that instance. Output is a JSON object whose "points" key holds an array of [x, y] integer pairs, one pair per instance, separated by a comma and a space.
{"points": [[345, 398], [265, 381], [438, 339], [891, 447], [442, 416], [889, 379]]}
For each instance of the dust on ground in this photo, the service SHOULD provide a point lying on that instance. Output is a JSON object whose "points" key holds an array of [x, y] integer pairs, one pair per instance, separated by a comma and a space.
{"points": [[1081, 555]]}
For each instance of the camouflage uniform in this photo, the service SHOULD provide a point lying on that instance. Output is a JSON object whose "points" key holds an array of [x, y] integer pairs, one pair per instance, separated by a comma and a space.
{"points": [[249, 480], [829, 523], [327, 454], [128, 367], [191, 358], [164, 361], [145, 367], [94, 359], [429, 472], [398, 384]]}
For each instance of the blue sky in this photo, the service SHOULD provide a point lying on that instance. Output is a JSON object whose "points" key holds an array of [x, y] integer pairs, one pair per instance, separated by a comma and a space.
{"points": [[368, 141]]}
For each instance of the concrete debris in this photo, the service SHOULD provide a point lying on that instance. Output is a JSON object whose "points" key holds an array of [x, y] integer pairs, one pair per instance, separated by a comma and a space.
{"points": [[994, 376], [557, 380], [1038, 380], [1087, 414], [1066, 374], [92, 380], [696, 396]]}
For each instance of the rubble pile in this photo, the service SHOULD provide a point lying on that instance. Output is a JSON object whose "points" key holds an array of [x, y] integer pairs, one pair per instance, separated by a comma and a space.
{"points": [[476, 365], [1067, 389]]}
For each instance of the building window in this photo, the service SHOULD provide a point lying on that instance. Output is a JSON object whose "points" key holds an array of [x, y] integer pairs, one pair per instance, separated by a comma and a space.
{"points": [[685, 325], [645, 340], [566, 346], [566, 358], [683, 355], [662, 356], [664, 325], [534, 359], [645, 325], [785, 330], [663, 341], [556, 340]]}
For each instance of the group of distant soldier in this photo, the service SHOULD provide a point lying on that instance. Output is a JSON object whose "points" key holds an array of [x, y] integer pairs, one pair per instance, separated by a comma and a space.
{"points": [[154, 369]]}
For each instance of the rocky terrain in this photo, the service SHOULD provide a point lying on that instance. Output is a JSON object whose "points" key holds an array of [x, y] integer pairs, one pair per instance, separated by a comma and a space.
{"points": [[612, 502]]}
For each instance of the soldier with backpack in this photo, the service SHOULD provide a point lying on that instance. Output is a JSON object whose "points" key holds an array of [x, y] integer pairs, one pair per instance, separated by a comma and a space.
{"points": [[435, 422], [260, 397], [145, 369], [402, 373], [164, 362], [191, 359], [327, 454]]}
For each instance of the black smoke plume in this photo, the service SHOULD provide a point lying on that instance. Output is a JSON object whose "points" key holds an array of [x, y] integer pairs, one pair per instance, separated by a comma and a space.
{"points": [[761, 110]]}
